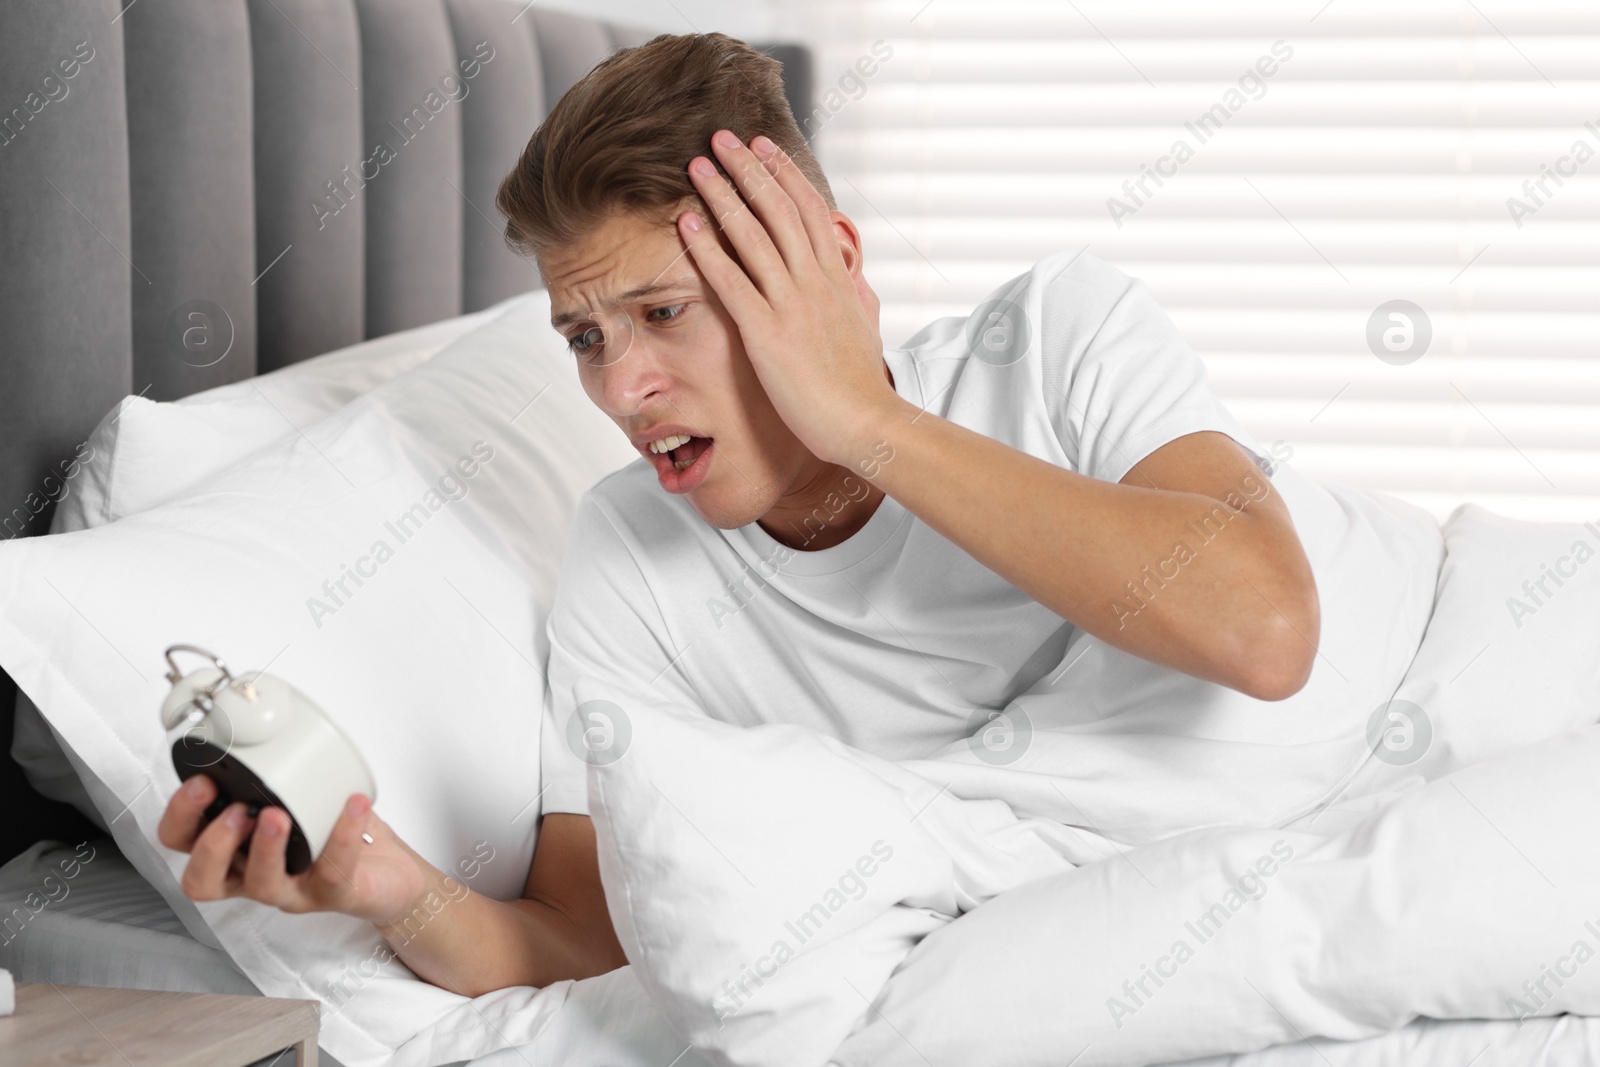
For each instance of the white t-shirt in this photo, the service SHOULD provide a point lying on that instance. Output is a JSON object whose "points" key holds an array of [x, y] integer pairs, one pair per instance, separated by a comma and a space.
{"points": [[899, 643]]}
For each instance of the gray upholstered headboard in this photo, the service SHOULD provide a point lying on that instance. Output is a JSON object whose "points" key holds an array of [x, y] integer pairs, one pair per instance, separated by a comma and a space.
{"points": [[304, 173]]}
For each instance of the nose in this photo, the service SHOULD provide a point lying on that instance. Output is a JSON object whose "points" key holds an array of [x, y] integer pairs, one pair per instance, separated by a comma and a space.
{"points": [[625, 380]]}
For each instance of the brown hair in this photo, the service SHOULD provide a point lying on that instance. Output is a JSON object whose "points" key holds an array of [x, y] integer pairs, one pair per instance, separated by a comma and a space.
{"points": [[621, 139]]}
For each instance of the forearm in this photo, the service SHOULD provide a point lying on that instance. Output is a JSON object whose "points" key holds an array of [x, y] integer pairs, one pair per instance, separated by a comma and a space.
{"points": [[1103, 555], [472, 944]]}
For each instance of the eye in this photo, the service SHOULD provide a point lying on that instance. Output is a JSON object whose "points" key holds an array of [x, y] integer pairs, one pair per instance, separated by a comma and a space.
{"points": [[586, 342], [674, 309]]}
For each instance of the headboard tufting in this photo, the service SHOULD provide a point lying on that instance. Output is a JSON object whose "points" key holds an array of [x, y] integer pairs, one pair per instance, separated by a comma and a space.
{"points": [[197, 191]]}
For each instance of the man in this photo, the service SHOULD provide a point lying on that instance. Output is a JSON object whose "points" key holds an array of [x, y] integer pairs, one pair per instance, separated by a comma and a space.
{"points": [[890, 546]]}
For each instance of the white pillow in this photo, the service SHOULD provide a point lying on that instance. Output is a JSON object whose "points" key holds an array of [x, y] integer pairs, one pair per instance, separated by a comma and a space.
{"points": [[450, 490], [1504, 662], [145, 453]]}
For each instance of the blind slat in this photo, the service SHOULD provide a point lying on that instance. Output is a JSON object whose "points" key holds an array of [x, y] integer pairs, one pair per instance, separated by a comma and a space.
{"points": [[1444, 152]]}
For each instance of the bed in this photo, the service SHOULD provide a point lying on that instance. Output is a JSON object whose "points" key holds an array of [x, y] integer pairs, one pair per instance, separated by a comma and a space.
{"points": [[193, 173], [183, 163], [118, 932], [199, 139], [181, 166]]}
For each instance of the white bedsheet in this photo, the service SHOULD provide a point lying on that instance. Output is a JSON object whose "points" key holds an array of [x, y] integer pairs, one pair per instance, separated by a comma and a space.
{"points": [[113, 929], [766, 883], [609, 1022]]}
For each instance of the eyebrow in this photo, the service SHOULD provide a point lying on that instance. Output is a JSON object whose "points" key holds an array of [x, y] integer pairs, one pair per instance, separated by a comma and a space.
{"points": [[631, 295]]}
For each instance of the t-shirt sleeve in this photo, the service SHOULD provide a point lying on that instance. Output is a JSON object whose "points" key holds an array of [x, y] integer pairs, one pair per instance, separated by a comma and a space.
{"points": [[1119, 380], [609, 651]]}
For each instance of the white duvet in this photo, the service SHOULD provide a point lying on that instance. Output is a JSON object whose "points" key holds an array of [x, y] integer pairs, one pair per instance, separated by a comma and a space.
{"points": [[784, 899]]}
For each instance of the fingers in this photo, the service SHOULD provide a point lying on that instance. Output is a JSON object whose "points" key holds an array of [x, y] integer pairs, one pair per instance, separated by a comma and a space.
{"points": [[745, 233], [330, 874], [180, 823], [216, 872], [209, 875], [756, 214], [733, 286], [814, 211], [755, 175], [266, 875]]}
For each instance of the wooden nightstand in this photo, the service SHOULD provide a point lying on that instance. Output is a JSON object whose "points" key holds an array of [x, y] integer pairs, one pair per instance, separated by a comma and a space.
{"points": [[136, 1027]]}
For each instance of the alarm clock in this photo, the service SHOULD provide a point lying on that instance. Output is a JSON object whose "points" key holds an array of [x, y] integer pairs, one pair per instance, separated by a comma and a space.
{"points": [[265, 743]]}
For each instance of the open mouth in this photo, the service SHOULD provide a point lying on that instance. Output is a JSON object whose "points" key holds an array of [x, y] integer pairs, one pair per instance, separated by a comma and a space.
{"points": [[681, 450], [683, 466], [684, 455]]}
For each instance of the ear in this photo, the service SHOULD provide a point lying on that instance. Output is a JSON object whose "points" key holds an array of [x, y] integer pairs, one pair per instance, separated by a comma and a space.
{"points": [[849, 238]]}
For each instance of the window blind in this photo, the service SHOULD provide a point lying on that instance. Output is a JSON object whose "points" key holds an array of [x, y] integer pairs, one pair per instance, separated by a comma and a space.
{"points": [[1280, 174]]}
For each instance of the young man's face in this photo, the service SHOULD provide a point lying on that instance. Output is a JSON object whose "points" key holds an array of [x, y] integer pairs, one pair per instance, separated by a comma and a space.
{"points": [[657, 352]]}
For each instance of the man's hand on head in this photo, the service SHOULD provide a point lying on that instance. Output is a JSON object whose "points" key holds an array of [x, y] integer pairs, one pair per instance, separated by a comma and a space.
{"points": [[807, 332]]}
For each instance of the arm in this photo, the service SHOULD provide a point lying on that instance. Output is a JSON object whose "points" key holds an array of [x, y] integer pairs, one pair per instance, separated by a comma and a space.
{"points": [[559, 929], [1239, 609], [469, 945], [1245, 611]]}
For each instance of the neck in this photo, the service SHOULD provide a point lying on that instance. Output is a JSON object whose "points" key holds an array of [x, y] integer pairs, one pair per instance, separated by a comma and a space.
{"points": [[827, 510]]}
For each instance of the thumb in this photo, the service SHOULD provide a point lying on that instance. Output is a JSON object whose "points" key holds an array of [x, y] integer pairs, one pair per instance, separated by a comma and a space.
{"points": [[330, 873]]}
